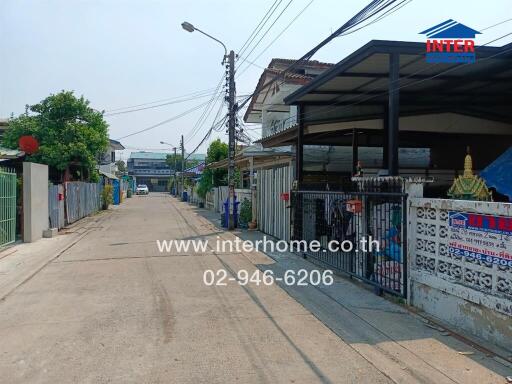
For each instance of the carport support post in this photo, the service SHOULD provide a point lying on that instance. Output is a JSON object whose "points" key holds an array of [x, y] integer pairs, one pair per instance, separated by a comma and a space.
{"points": [[385, 137], [253, 190], [355, 147], [393, 113], [299, 153]]}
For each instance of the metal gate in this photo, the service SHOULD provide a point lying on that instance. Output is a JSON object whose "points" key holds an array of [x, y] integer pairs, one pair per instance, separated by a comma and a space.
{"points": [[56, 205], [273, 210], [7, 206], [116, 192], [360, 231]]}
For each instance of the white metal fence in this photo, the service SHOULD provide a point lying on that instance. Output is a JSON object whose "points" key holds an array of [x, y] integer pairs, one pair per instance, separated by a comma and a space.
{"points": [[82, 199], [274, 212], [217, 196], [56, 206]]}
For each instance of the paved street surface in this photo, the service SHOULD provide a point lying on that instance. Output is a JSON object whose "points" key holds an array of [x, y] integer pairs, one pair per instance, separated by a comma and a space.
{"points": [[109, 308]]}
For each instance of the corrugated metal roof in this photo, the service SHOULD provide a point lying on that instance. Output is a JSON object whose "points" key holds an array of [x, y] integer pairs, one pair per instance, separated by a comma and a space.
{"points": [[149, 155], [116, 144], [7, 153], [163, 155], [109, 175]]}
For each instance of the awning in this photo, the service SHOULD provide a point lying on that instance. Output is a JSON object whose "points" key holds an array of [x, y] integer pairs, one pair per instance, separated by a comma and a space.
{"points": [[109, 175], [357, 87], [498, 175], [7, 153], [441, 101]]}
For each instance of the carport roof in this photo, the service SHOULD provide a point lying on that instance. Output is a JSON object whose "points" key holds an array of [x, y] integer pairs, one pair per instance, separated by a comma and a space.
{"points": [[480, 89]]}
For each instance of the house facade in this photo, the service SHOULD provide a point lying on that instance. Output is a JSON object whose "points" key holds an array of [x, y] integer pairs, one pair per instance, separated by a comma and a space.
{"points": [[150, 168], [107, 161], [271, 170]]}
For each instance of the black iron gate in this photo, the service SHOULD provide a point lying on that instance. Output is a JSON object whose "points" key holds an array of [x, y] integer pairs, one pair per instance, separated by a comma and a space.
{"points": [[360, 231]]}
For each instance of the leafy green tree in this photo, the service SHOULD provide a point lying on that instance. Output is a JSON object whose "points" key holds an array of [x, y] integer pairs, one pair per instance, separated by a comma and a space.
{"points": [[68, 132], [121, 166], [213, 177], [188, 163]]}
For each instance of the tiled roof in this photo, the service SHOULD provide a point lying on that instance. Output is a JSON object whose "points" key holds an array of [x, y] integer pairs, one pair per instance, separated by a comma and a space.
{"points": [[306, 63], [292, 76]]}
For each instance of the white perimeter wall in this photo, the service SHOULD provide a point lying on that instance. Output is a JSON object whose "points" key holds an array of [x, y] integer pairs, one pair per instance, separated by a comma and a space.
{"points": [[470, 294], [35, 201]]}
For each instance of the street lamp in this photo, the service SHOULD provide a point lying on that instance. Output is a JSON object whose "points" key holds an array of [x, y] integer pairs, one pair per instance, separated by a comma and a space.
{"points": [[175, 185], [231, 118], [190, 28]]}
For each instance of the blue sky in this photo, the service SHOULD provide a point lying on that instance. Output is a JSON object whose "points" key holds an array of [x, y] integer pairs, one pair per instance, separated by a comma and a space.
{"points": [[120, 53]]}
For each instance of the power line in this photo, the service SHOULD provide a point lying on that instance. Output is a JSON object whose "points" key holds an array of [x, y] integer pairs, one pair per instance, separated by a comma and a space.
{"points": [[165, 121], [207, 110], [495, 25], [499, 38], [260, 25], [207, 91], [157, 105], [275, 39], [219, 123], [385, 14], [366, 13], [266, 32], [370, 10]]}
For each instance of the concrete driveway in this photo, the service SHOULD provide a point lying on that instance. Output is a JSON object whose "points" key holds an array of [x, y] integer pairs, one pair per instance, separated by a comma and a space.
{"points": [[113, 309]]}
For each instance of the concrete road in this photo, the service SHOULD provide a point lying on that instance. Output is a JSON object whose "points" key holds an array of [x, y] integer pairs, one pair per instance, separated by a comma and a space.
{"points": [[113, 309]]}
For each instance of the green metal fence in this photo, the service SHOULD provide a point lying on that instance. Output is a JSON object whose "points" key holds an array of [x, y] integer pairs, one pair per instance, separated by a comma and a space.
{"points": [[7, 206]]}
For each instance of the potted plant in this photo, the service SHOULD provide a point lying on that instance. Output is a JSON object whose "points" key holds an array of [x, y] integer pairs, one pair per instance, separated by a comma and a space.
{"points": [[106, 196], [245, 213]]}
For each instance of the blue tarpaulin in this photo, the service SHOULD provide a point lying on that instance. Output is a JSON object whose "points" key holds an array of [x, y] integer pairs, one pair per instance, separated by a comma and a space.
{"points": [[498, 174]]}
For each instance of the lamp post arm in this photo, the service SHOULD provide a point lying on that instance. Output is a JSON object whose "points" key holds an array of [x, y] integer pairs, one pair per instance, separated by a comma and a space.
{"points": [[213, 38]]}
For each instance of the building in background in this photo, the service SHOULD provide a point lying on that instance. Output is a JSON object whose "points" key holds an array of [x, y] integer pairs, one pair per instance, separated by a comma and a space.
{"points": [[107, 162], [151, 168]]}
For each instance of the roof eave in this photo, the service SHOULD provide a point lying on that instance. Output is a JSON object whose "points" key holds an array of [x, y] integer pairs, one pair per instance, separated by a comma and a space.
{"points": [[372, 47]]}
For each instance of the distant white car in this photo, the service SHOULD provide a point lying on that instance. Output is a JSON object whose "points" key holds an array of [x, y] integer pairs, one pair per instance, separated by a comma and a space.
{"points": [[142, 189]]}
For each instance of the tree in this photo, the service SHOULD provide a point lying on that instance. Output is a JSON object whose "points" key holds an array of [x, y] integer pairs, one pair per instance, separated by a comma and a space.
{"points": [[213, 177], [188, 163], [68, 131], [121, 166]]}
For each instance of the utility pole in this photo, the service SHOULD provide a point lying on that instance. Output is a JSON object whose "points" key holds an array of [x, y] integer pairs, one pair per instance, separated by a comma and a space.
{"points": [[229, 61], [182, 144], [231, 137], [175, 181]]}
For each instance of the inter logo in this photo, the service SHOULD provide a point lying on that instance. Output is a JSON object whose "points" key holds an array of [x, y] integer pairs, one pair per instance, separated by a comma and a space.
{"points": [[450, 42]]}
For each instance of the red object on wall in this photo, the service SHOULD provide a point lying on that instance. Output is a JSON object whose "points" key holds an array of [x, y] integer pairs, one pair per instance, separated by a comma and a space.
{"points": [[28, 144], [354, 206], [61, 196], [285, 196]]}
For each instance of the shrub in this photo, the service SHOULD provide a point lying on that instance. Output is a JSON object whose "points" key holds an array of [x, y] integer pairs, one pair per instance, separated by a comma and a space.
{"points": [[245, 211], [106, 195]]}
